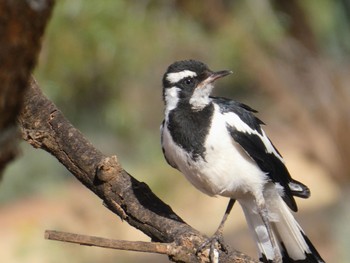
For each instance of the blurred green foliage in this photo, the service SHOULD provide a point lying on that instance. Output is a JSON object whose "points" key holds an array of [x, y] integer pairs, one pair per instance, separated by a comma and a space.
{"points": [[102, 62]]}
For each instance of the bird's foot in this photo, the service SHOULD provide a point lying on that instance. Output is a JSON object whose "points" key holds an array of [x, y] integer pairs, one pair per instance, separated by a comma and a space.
{"points": [[212, 245]]}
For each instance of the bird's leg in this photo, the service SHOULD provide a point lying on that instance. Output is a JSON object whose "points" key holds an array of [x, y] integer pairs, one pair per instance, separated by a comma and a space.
{"points": [[217, 237], [264, 214], [218, 232]]}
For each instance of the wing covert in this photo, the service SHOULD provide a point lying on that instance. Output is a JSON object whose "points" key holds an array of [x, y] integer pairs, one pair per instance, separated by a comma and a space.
{"points": [[245, 129]]}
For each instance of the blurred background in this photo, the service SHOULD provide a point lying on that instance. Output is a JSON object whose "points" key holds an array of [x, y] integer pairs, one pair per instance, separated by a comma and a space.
{"points": [[102, 62]]}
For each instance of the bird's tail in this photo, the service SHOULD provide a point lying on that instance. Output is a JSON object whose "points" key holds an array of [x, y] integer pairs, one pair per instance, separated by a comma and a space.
{"points": [[293, 244]]}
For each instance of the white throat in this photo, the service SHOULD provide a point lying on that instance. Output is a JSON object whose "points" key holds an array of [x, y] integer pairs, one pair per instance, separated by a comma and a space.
{"points": [[200, 97]]}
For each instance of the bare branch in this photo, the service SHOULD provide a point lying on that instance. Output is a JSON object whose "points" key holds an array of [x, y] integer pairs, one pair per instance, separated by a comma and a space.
{"points": [[139, 246]]}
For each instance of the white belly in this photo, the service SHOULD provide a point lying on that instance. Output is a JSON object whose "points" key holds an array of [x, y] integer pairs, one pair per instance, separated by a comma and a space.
{"points": [[227, 170]]}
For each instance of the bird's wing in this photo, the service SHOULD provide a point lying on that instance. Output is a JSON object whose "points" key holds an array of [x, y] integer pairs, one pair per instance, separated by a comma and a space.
{"points": [[245, 129]]}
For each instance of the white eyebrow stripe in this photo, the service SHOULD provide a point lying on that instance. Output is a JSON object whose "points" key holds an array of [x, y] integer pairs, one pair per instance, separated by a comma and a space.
{"points": [[177, 76]]}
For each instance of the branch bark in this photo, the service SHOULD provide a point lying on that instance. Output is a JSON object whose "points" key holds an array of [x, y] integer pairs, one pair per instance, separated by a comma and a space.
{"points": [[22, 25], [139, 246], [45, 127]]}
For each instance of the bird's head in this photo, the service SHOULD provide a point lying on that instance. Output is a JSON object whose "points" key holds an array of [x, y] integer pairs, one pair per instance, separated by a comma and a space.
{"points": [[190, 81]]}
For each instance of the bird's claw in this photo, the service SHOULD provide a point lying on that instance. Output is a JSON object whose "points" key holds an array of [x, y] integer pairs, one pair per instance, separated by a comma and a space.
{"points": [[214, 243]]}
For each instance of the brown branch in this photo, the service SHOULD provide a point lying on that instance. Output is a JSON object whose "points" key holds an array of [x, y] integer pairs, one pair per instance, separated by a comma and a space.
{"points": [[22, 26], [139, 246], [45, 127]]}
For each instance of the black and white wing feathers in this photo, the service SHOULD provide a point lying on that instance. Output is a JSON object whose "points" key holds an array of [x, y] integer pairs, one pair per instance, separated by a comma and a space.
{"points": [[245, 129]]}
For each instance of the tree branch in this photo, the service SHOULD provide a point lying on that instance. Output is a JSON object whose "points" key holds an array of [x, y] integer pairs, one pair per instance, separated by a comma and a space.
{"points": [[139, 246], [45, 127], [22, 26]]}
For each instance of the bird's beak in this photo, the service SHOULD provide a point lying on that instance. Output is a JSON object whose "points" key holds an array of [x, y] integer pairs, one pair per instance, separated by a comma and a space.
{"points": [[212, 76]]}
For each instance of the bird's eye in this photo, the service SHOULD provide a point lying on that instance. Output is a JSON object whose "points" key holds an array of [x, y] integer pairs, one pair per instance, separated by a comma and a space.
{"points": [[189, 81]]}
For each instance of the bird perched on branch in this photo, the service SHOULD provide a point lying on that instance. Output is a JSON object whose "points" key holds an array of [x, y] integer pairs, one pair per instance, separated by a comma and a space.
{"points": [[221, 148]]}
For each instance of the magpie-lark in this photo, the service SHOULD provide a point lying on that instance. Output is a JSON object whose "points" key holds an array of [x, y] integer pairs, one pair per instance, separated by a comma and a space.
{"points": [[221, 148]]}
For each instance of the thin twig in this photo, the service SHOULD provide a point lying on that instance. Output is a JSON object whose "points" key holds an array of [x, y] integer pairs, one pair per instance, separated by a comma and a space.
{"points": [[150, 247]]}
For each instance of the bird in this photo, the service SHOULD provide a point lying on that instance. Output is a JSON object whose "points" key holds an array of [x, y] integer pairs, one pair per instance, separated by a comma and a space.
{"points": [[220, 146]]}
